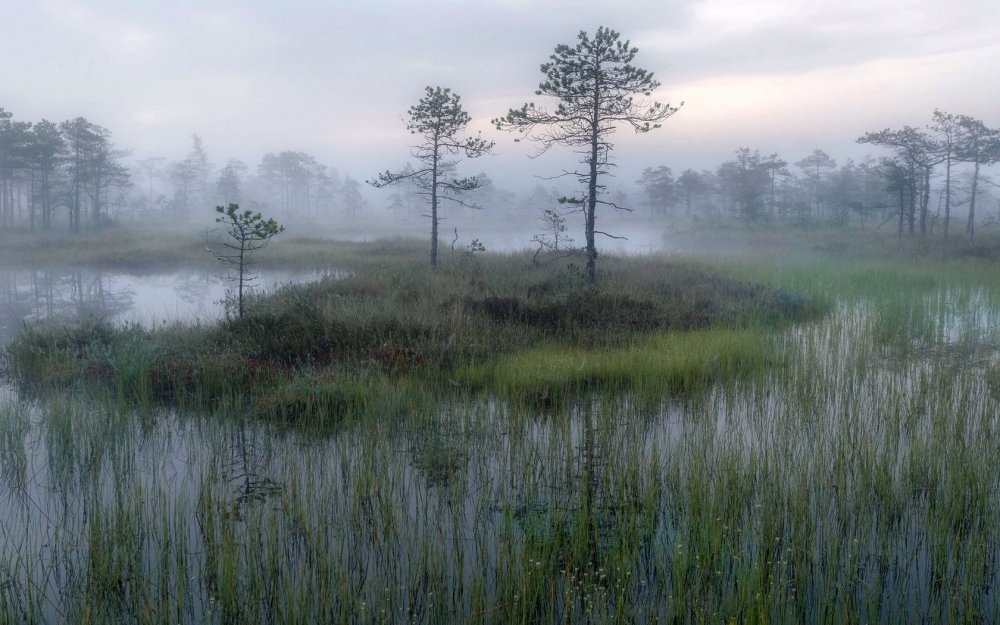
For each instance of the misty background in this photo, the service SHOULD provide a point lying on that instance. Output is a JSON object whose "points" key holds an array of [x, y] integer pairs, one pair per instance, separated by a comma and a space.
{"points": [[290, 108]]}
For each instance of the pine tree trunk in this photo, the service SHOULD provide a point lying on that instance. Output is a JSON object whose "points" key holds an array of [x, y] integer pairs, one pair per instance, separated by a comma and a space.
{"points": [[925, 198], [592, 190], [434, 208], [970, 227], [947, 193]]}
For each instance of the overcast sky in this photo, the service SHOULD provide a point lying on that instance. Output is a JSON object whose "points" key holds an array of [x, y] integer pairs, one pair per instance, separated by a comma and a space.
{"points": [[334, 78]]}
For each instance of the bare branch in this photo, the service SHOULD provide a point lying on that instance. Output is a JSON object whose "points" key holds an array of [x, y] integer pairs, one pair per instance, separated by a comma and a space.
{"points": [[610, 236]]}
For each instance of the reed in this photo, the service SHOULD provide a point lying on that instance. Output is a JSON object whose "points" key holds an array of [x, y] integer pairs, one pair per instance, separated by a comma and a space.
{"points": [[755, 470]]}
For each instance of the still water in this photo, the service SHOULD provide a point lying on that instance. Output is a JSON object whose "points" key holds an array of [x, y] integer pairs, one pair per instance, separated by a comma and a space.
{"points": [[189, 295], [122, 513]]}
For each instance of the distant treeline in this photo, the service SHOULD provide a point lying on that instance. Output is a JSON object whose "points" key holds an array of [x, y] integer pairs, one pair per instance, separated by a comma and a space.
{"points": [[70, 175], [47, 169], [929, 175]]}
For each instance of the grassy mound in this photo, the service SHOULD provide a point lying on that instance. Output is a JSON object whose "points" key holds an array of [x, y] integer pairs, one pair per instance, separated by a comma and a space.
{"points": [[494, 324]]}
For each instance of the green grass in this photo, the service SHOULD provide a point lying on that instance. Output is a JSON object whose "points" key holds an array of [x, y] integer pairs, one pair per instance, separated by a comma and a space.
{"points": [[774, 243], [839, 470], [140, 249], [319, 349], [660, 365]]}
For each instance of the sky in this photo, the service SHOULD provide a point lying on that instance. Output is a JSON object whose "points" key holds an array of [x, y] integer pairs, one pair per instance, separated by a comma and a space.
{"points": [[334, 78]]}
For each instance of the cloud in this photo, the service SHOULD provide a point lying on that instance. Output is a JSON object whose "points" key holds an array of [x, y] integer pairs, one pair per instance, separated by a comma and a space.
{"points": [[335, 78], [120, 37], [734, 37]]}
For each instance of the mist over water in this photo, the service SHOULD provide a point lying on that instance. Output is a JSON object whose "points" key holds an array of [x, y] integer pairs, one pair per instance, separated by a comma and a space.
{"points": [[149, 299]]}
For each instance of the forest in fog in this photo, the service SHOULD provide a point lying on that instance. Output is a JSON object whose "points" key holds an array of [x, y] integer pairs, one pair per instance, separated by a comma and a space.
{"points": [[923, 179]]}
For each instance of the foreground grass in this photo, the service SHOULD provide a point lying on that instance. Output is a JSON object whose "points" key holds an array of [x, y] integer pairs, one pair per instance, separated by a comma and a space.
{"points": [[677, 364], [853, 485], [839, 471]]}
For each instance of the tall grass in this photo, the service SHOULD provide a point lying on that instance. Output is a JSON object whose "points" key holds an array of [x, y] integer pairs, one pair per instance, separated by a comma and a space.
{"points": [[663, 365], [838, 471], [319, 351]]}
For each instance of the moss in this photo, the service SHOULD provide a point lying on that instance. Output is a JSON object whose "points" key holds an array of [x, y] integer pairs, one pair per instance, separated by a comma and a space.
{"points": [[661, 365]]}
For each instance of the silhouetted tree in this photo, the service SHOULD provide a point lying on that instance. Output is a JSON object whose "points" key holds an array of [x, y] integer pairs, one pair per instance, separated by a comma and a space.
{"points": [[775, 166], [596, 88], [14, 138], [745, 180], [104, 173], [980, 146], [918, 153], [871, 191], [189, 178], [230, 182], [690, 184], [46, 152], [184, 178], [200, 168], [898, 176], [947, 130], [658, 184], [845, 192], [296, 183], [249, 232], [437, 119], [814, 167], [350, 191], [92, 167], [152, 169]]}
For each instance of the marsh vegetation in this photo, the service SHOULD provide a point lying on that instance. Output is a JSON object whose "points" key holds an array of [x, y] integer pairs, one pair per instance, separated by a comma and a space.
{"points": [[751, 440]]}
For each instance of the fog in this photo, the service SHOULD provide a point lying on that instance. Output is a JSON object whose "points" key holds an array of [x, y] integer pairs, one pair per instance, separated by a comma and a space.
{"points": [[740, 365], [330, 84], [334, 79]]}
